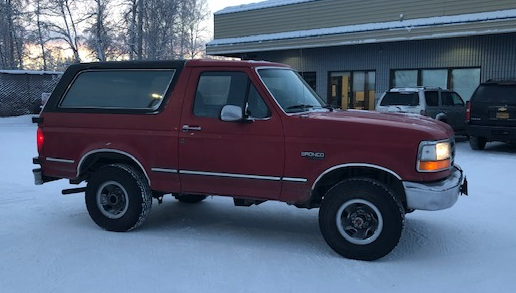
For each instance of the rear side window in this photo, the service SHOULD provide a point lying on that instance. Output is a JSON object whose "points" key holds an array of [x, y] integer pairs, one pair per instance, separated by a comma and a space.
{"points": [[400, 99], [495, 93], [432, 98], [118, 89]]}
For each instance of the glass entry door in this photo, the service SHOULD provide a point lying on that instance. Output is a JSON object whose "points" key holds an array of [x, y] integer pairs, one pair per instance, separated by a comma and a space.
{"points": [[340, 89], [353, 90]]}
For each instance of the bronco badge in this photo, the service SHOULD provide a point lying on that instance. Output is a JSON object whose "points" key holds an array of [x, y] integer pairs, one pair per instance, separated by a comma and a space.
{"points": [[313, 155]]}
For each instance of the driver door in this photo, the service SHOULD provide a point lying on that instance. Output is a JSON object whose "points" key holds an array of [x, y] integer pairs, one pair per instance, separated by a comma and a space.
{"points": [[241, 159]]}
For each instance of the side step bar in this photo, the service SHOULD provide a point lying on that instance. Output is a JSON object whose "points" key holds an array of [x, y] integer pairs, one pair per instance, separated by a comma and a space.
{"points": [[73, 190]]}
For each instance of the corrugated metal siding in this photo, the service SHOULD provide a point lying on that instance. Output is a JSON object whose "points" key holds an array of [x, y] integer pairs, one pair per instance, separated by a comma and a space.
{"points": [[333, 13], [493, 54]]}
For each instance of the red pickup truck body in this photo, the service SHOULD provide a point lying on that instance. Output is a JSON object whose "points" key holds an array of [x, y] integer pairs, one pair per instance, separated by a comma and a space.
{"points": [[295, 156]]}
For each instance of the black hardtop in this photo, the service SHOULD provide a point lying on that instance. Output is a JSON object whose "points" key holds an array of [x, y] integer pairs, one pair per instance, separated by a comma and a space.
{"points": [[162, 64]]}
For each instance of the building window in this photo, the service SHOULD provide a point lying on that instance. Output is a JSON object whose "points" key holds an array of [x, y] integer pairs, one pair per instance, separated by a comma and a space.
{"points": [[310, 78], [404, 78], [434, 78], [352, 90], [465, 81], [462, 80]]}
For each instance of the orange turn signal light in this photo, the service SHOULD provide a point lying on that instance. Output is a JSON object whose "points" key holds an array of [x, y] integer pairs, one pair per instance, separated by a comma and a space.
{"points": [[434, 165]]}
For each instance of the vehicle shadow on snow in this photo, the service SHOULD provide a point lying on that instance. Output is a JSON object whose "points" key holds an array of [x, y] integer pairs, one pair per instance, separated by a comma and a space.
{"points": [[283, 228], [422, 239], [498, 147], [269, 225]]}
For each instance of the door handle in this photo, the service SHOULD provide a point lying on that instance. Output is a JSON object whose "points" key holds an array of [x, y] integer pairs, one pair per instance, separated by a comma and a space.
{"points": [[187, 128]]}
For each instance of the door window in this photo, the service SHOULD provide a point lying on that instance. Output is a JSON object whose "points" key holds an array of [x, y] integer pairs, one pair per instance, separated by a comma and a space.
{"points": [[447, 99], [457, 100], [217, 89]]}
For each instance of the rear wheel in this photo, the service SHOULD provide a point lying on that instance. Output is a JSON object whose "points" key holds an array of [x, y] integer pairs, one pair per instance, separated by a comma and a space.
{"points": [[118, 197], [477, 143], [360, 218]]}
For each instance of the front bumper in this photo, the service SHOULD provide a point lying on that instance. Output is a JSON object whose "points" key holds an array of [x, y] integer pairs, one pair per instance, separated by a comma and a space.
{"points": [[436, 195]]}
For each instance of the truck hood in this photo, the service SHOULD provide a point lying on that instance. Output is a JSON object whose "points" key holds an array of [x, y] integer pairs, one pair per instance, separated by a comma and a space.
{"points": [[387, 125]]}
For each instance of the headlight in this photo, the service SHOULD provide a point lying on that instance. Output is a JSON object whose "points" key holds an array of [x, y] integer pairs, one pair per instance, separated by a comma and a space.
{"points": [[434, 156]]}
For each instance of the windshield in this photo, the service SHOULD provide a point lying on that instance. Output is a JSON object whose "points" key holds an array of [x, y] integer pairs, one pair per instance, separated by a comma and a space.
{"points": [[289, 89]]}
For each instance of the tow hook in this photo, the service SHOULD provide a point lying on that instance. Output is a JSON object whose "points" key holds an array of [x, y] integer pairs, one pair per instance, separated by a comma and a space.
{"points": [[464, 187]]}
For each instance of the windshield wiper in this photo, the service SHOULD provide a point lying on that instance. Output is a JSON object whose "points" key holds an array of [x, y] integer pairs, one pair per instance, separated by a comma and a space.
{"points": [[300, 106], [330, 107]]}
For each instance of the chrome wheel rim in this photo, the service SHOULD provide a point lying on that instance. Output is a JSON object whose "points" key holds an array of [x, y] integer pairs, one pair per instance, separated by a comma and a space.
{"points": [[359, 221], [112, 200]]}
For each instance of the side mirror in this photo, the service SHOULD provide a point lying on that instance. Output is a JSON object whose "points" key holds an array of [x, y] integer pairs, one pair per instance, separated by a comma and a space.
{"points": [[231, 113]]}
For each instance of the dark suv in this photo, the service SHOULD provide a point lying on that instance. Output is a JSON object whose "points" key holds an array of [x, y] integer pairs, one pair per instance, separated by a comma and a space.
{"points": [[491, 114]]}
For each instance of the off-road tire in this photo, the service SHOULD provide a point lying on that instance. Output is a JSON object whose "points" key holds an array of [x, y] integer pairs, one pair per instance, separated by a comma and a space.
{"points": [[189, 198], [477, 143], [118, 197], [360, 218]]}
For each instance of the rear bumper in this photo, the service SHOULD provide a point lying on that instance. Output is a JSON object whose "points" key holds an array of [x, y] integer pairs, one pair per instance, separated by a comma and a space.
{"points": [[492, 133], [39, 177], [436, 195]]}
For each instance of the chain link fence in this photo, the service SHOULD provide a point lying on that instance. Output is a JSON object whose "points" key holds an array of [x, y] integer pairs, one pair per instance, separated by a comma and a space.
{"points": [[21, 91]]}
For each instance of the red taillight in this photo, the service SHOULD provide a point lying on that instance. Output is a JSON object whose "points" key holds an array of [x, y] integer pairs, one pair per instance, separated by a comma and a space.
{"points": [[39, 140], [468, 111]]}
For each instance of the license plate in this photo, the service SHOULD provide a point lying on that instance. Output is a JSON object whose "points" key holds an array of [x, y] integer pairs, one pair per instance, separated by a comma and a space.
{"points": [[502, 115]]}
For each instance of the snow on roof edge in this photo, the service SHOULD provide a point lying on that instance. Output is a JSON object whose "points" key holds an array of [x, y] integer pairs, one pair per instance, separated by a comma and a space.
{"points": [[33, 72], [367, 41], [438, 20], [259, 5]]}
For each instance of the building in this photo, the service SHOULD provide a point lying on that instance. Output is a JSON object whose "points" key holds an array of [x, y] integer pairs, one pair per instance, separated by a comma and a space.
{"points": [[21, 91], [351, 51]]}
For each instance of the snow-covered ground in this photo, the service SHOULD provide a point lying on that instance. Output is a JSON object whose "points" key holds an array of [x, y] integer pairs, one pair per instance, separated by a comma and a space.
{"points": [[48, 243]]}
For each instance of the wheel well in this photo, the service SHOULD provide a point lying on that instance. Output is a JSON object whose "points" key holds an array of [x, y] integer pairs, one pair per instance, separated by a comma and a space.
{"points": [[94, 161], [442, 117], [335, 176]]}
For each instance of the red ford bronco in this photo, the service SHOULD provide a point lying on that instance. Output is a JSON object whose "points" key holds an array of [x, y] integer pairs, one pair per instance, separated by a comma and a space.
{"points": [[254, 131]]}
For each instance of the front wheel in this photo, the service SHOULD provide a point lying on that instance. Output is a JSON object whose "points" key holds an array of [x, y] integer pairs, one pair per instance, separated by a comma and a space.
{"points": [[118, 197], [360, 218]]}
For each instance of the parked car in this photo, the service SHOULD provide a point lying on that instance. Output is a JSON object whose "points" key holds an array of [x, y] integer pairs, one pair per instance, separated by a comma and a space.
{"points": [[441, 104], [253, 131], [491, 114]]}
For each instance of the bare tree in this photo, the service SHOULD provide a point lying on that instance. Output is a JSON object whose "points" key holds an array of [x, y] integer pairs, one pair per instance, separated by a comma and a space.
{"points": [[194, 13], [166, 29], [38, 31], [38, 35], [65, 16], [102, 31], [11, 34]]}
